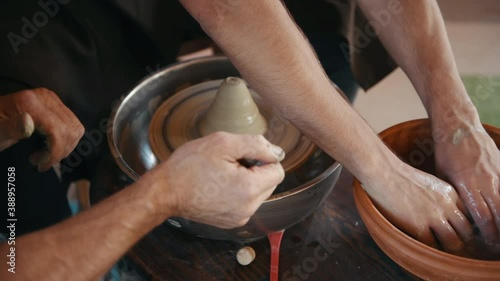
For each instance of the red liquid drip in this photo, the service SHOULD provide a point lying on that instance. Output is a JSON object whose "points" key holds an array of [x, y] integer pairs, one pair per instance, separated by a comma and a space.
{"points": [[275, 242]]}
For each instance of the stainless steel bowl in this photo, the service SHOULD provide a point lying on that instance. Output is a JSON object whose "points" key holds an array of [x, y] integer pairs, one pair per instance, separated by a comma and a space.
{"points": [[295, 198]]}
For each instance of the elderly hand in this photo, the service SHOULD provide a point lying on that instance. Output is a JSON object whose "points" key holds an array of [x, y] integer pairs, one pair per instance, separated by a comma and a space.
{"points": [[39, 109], [204, 181], [470, 161]]}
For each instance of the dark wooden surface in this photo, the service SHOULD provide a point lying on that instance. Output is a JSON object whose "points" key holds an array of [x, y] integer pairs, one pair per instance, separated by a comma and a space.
{"points": [[331, 244]]}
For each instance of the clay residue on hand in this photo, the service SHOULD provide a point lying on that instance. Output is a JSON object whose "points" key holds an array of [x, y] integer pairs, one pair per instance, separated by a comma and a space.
{"points": [[458, 136]]}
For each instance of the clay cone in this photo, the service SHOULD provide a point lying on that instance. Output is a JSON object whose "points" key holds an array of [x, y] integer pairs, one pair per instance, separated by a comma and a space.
{"points": [[233, 110]]}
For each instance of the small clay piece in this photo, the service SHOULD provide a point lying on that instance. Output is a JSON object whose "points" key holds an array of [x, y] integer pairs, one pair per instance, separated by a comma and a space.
{"points": [[245, 255], [233, 110]]}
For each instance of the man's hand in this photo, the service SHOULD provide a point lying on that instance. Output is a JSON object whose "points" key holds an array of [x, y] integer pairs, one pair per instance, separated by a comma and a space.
{"points": [[15, 128], [424, 207], [471, 165], [39, 109], [470, 161], [204, 181]]}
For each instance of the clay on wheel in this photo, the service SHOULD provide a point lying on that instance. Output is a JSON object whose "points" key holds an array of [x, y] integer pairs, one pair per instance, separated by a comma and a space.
{"points": [[233, 110]]}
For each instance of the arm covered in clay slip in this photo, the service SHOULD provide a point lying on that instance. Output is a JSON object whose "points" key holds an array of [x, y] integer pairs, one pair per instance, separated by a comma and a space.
{"points": [[415, 35], [273, 56]]}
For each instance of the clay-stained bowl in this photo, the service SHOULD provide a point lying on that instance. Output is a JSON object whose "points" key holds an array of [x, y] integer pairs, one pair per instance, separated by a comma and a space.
{"points": [[411, 141], [297, 197]]}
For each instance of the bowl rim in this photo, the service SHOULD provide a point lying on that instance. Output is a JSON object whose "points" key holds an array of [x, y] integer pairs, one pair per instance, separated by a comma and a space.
{"points": [[418, 246], [139, 86], [360, 196]]}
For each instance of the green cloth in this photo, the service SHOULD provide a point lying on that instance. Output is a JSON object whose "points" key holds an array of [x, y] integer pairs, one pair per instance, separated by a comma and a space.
{"points": [[484, 92]]}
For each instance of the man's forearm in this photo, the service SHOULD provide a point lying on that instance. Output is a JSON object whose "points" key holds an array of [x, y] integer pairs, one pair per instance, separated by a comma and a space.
{"points": [[273, 56], [415, 36], [86, 246]]}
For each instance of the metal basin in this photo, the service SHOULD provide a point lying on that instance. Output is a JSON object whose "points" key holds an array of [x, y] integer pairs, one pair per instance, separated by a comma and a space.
{"points": [[295, 198]]}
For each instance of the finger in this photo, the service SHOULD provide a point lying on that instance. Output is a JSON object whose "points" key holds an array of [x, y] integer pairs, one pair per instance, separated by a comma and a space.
{"points": [[15, 128], [448, 237], [482, 216], [268, 175], [460, 205], [41, 159], [62, 117], [427, 237], [60, 141], [74, 129], [54, 149], [463, 209], [266, 194], [462, 225], [493, 203], [256, 147]]}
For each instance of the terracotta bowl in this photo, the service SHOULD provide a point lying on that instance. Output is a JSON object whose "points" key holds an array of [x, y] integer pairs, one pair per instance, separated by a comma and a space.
{"points": [[407, 141]]}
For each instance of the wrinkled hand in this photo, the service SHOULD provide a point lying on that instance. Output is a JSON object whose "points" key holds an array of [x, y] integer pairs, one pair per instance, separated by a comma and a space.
{"points": [[22, 113], [471, 163], [203, 180], [424, 207]]}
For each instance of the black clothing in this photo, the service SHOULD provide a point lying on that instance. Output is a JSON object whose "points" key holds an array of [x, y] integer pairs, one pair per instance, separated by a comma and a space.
{"points": [[90, 53]]}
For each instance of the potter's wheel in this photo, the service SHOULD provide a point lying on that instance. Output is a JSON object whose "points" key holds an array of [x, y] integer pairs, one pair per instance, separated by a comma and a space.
{"points": [[178, 120], [130, 141]]}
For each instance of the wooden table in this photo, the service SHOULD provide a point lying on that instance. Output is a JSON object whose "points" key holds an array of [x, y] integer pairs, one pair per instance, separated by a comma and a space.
{"points": [[331, 244]]}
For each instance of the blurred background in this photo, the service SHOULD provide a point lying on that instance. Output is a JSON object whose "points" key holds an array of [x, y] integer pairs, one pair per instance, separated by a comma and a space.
{"points": [[474, 32]]}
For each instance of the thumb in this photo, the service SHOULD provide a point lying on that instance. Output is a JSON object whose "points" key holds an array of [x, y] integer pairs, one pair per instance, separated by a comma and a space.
{"points": [[15, 128], [255, 148]]}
